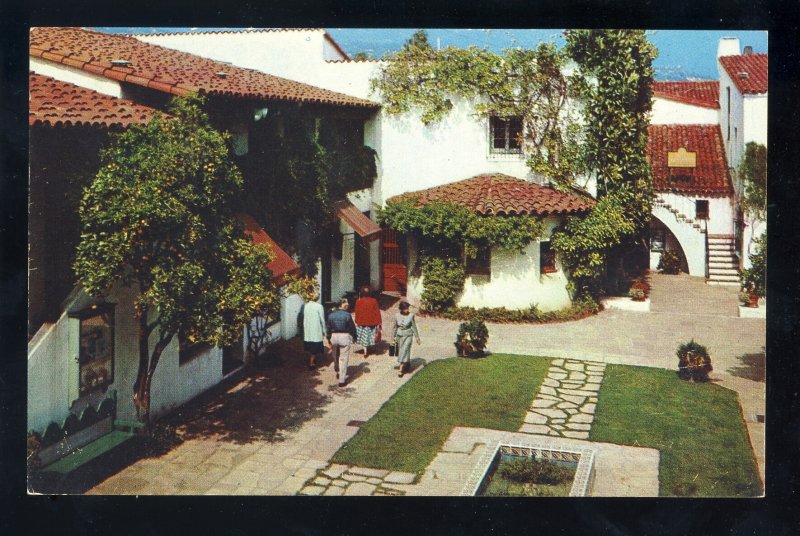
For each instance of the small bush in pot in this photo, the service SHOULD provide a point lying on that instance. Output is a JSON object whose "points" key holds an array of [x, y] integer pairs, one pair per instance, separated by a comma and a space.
{"points": [[694, 362], [669, 263], [636, 294], [472, 338]]}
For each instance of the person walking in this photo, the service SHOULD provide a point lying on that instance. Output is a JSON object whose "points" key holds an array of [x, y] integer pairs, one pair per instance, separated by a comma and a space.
{"points": [[341, 333], [312, 321], [404, 328], [368, 320]]}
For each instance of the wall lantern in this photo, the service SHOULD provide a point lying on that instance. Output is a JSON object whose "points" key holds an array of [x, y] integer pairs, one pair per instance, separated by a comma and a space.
{"points": [[260, 114]]}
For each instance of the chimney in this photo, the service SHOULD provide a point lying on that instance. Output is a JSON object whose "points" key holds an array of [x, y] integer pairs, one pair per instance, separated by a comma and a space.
{"points": [[728, 46], [747, 50]]}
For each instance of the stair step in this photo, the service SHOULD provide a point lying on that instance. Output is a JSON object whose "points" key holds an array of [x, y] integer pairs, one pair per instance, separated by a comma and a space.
{"points": [[723, 272], [724, 278], [723, 283]]}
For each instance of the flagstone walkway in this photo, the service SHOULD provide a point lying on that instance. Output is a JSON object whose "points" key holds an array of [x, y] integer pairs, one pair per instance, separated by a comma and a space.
{"points": [[277, 427]]}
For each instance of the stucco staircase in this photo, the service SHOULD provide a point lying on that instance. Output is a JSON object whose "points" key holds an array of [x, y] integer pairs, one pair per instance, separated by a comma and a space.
{"points": [[680, 216], [723, 267]]}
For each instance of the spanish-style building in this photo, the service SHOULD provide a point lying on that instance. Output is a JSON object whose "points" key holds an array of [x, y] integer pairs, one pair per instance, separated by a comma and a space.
{"points": [[83, 354]]}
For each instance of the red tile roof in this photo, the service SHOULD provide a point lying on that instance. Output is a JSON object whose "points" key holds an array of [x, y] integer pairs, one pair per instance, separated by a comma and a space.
{"points": [[755, 65], [710, 177], [56, 103], [363, 226], [700, 93], [169, 70], [498, 194], [282, 265]]}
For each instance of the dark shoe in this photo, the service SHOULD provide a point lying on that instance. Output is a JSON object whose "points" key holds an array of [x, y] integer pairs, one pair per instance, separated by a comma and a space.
{"points": [[342, 384], [337, 375]]}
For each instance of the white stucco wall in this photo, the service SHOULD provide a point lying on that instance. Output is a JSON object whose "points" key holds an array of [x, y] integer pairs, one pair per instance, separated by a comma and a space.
{"points": [[76, 76], [720, 210], [670, 112], [515, 281], [692, 241], [755, 118], [734, 143], [48, 376], [290, 307]]}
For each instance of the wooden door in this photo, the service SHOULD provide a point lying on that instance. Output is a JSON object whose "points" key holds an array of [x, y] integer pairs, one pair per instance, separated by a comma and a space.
{"points": [[395, 271]]}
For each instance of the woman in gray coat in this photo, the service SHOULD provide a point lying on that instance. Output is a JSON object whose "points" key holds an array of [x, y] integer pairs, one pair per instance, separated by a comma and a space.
{"points": [[405, 327]]}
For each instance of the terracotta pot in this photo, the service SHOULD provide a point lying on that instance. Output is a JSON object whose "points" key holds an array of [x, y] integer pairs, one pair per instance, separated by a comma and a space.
{"points": [[752, 300]]}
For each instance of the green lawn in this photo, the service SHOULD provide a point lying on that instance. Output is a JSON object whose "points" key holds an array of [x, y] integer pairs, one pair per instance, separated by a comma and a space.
{"points": [[698, 429], [411, 427]]}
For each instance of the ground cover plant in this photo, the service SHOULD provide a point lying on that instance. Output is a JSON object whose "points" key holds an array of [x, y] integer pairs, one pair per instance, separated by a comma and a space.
{"points": [[530, 478], [697, 427], [410, 429], [580, 308]]}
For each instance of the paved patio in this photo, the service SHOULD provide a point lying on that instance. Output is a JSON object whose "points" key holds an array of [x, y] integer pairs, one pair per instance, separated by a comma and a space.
{"points": [[276, 427]]}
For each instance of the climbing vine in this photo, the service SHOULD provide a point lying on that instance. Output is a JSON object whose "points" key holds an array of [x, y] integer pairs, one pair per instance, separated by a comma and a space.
{"points": [[602, 137], [525, 83], [293, 181], [753, 171], [448, 233]]}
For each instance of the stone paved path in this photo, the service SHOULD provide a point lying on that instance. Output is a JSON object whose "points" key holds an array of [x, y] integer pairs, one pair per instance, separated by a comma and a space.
{"points": [[275, 430], [338, 479], [566, 401]]}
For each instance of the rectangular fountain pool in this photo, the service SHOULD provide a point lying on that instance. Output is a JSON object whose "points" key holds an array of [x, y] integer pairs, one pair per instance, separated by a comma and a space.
{"points": [[531, 471]]}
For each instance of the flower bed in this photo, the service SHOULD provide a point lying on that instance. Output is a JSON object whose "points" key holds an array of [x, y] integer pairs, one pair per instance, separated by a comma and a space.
{"points": [[531, 315]]}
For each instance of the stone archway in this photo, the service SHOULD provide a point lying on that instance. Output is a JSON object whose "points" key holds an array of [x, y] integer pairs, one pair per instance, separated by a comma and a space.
{"points": [[691, 240]]}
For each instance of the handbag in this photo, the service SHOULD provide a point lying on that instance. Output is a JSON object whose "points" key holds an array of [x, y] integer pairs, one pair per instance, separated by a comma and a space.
{"points": [[393, 349]]}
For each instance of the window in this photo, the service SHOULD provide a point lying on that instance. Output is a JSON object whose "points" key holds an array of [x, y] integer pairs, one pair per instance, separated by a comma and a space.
{"points": [[188, 351], [96, 355], [547, 258], [701, 209], [728, 109], [657, 240], [506, 135], [481, 264]]}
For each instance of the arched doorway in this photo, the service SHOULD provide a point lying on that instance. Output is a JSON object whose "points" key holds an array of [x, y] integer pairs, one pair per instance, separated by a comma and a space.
{"points": [[678, 236]]}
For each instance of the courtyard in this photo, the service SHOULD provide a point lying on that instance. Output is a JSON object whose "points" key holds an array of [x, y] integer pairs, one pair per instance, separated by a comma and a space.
{"points": [[275, 428]]}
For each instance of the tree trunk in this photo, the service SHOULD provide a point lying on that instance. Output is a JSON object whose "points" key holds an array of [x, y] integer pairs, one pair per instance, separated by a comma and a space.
{"points": [[146, 380], [144, 360]]}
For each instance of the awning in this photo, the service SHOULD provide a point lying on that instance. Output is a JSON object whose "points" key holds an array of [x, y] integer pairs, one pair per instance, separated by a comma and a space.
{"points": [[282, 265], [363, 226]]}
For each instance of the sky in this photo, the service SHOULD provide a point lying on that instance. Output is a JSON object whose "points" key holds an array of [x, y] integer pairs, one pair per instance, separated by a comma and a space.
{"points": [[683, 54]]}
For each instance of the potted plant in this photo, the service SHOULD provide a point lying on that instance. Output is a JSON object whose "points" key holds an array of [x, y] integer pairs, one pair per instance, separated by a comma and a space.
{"points": [[472, 338], [748, 297], [636, 294], [694, 362]]}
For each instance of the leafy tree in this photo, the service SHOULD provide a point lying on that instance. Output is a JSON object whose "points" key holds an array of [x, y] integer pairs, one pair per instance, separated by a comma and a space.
{"points": [[753, 170], [361, 56], [755, 277], [615, 77], [159, 218]]}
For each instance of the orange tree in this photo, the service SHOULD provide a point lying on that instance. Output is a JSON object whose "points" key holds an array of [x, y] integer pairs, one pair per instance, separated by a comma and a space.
{"points": [[159, 218]]}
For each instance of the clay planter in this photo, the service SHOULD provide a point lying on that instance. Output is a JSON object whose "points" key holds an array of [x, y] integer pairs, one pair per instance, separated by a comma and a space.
{"points": [[752, 300]]}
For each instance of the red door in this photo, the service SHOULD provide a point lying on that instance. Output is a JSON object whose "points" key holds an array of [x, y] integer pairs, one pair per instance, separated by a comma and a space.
{"points": [[395, 271]]}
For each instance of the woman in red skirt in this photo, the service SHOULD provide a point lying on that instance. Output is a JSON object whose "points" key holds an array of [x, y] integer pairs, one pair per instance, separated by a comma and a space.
{"points": [[368, 320]]}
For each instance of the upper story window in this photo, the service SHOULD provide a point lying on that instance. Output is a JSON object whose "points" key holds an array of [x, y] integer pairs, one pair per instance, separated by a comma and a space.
{"points": [[96, 354], [505, 135], [701, 209]]}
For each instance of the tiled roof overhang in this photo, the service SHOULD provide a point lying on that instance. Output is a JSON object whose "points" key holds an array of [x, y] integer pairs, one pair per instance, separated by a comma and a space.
{"points": [[57, 103], [282, 265], [171, 71], [703, 93], [496, 194], [710, 177], [755, 65]]}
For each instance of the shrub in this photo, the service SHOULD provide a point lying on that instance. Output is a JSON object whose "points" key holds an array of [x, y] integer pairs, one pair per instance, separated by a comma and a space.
{"points": [[443, 280], [579, 309], [535, 471], [694, 362], [472, 337], [669, 263], [754, 279]]}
